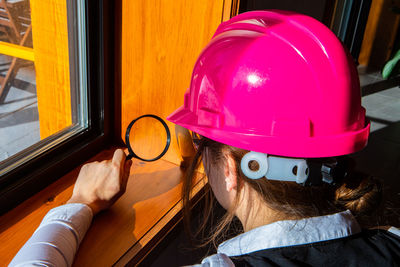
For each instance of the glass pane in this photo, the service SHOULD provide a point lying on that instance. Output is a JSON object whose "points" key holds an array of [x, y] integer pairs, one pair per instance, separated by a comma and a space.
{"points": [[42, 76]]}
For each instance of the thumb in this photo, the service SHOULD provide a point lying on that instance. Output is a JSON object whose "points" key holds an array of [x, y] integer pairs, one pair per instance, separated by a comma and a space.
{"points": [[118, 158]]}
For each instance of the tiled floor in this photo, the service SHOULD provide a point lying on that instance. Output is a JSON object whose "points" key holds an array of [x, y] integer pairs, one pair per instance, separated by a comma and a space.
{"points": [[381, 157], [383, 108]]}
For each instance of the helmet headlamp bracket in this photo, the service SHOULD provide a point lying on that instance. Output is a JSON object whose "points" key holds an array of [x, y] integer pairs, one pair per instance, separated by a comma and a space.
{"points": [[275, 168], [301, 171]]}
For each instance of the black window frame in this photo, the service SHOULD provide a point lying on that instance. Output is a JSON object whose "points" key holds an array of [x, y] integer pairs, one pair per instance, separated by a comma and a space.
{"points": [[29, 178]]}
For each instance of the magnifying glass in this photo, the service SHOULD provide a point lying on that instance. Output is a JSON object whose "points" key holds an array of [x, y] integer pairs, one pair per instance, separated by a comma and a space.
{"points": [[147, 138]]}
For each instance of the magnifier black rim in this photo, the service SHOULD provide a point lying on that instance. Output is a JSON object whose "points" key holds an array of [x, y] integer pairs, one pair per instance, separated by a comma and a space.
{"points": [[128, 144]]}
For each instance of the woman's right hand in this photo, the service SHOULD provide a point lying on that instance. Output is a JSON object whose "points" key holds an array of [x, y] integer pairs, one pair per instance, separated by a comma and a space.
{"points": [[100, 184]]}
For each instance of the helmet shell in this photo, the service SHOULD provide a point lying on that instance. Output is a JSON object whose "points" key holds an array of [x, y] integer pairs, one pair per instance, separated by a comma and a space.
{"points": [[276, 82]]}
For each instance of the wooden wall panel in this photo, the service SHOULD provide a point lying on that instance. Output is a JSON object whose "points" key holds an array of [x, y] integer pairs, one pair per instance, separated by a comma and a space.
{"points": [[50, 46], [161, 40]]}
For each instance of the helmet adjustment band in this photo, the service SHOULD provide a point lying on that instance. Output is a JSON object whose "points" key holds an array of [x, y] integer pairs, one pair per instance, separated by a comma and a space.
{"points": [[302, 171]]}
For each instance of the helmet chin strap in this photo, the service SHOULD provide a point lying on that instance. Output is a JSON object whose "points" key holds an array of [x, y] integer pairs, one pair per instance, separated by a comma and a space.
{"points": [[291, 169]]}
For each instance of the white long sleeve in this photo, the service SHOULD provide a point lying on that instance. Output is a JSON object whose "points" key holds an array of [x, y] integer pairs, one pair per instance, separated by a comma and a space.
{"points": [[57, 239]]}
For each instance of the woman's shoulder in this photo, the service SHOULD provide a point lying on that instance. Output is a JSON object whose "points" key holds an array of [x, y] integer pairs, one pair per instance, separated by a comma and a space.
{"points": [[385, 232], [392, 229]]}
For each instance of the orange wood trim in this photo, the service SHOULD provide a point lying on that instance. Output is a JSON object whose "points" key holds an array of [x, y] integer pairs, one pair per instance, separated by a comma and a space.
{"points": [[335, 9], [160, 44], [50, 46], [370, 31], [231, 9], [380, 32], [151, 200]]}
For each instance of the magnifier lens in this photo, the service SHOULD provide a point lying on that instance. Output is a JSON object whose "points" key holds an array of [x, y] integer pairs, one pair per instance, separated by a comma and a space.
{"points": [[148, 138]]}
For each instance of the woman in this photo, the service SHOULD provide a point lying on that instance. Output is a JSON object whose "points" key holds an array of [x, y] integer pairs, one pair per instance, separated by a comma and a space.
{"points": [[274, 104]]}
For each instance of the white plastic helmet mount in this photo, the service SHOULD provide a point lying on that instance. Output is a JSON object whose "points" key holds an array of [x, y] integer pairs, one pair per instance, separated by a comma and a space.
{"points": [[275, 168]]}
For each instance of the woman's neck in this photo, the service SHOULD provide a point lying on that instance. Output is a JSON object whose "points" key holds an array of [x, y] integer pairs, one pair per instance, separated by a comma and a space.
{"points": [[253, 212]]}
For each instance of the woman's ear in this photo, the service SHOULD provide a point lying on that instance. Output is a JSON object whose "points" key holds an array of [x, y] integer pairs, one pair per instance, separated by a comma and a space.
{"points": [[230, 173]]}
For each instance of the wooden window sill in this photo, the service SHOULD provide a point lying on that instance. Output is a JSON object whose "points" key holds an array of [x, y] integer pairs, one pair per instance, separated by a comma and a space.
{"points": [[125, 233]]}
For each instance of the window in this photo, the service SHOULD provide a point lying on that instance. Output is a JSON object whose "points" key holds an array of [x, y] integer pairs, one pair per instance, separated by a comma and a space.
{"points": [[53, 108], [44, 89]]}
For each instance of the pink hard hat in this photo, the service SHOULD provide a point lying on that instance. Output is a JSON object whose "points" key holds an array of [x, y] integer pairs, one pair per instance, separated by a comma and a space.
{"points": [[276, 82]]}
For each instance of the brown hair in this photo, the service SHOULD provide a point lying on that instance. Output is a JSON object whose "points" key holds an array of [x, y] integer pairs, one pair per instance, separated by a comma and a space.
{"points": [[359, 193]]}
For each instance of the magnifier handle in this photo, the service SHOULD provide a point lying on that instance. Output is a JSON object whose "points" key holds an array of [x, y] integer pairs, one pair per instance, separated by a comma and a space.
{"points": [[130, 156]]}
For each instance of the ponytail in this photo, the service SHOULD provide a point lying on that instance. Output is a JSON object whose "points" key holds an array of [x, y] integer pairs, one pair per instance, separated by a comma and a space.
{"points": [[361, 194]]}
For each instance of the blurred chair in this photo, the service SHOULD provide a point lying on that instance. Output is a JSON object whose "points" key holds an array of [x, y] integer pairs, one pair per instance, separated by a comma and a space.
{"points": [[15, 27]]}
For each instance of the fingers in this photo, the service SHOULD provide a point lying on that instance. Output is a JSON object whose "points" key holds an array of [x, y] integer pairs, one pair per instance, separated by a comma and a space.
{"points": [[100, 184], [119, 159]]}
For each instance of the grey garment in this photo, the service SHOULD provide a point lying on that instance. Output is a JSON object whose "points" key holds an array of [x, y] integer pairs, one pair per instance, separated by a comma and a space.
{"points": [[56, 240], [283, 234]]}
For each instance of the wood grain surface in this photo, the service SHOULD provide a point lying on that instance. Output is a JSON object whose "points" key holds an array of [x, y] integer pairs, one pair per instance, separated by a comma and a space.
{"points": [[160, 43], [50, 47], [151, 200]]}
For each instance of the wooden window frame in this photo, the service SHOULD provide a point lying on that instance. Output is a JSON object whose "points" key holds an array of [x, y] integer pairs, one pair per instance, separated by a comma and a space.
{"points": [[32, 176]]}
